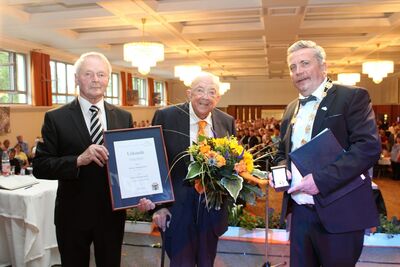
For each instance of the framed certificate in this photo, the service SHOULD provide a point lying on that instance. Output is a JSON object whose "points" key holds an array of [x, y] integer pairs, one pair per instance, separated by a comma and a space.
{"points": [[137, 166]]}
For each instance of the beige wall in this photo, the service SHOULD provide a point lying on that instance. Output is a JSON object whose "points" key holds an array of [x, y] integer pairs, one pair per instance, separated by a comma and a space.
{"points": [[253, 91], [27, 121]]}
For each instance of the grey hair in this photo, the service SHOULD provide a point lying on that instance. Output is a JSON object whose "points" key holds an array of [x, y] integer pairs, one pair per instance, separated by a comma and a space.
{"points": [[83, 57], [319, 52], [206, 76]]}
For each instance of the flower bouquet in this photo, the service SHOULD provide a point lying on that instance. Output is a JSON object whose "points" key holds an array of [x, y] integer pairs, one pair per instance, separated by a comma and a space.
{"points": [[222, 168]]}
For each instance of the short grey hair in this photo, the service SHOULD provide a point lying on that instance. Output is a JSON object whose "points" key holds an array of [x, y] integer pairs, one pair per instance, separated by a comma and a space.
{"points": [[206, 76], [319, 52], [83, 57]]}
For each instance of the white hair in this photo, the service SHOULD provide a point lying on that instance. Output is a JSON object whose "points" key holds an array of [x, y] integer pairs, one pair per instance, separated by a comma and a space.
{"points": [[206, 76], [83, 57]]}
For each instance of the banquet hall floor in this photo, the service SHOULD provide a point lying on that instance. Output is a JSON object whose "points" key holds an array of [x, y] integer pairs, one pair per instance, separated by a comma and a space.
{"points": [[138, 249]]}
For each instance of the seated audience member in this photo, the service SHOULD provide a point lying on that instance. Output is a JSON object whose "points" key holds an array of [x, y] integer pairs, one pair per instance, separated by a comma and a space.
{"points": [[14, 161], [6, 145], [23, 144], [253, 140], [21, 156], [395, 158]]}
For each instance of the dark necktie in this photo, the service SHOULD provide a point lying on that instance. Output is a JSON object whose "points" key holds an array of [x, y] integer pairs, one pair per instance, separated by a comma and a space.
{"points": [[96, 129], [304, 101]]}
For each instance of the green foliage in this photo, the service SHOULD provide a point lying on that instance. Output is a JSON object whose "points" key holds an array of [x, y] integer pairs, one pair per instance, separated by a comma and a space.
{"points": [[135, 215], [388, 226], [238, 216]]}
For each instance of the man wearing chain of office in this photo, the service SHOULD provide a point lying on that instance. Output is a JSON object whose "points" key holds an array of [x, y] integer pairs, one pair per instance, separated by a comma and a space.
{"points": [[330, 235]]}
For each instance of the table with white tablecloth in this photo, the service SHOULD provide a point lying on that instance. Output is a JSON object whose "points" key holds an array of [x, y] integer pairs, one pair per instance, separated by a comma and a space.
{"points": [[27, 231]]}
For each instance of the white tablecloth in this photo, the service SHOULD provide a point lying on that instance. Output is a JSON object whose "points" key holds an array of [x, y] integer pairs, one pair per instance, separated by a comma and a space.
{"points": [[27, 231]]}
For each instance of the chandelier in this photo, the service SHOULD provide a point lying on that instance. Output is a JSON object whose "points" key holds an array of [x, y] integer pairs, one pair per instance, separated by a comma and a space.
{"points": [[224, 87], [187, 73], [144, 55], [348, 78], [377, 70]]}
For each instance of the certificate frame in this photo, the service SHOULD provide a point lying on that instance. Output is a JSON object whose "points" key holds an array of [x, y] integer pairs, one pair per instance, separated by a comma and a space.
{"points": [[112, 141]]}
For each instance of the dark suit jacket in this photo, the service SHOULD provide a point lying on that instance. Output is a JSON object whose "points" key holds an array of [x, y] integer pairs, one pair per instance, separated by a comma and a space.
{"points": [[83, 195], [348, 113], [175, 123]]}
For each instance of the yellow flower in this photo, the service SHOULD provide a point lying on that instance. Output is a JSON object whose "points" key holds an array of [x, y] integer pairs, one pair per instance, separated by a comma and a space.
{"points": [[220, 142], [248, 159]]}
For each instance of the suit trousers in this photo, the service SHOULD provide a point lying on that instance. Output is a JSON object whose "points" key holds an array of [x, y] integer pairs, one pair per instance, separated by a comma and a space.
{"points": [[311, 245], [193, 242], [106, 234]]}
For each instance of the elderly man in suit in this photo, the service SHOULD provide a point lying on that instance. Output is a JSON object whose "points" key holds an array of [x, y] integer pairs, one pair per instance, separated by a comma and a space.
{"points": [[330, 235], [191, 236], [72, 153]]}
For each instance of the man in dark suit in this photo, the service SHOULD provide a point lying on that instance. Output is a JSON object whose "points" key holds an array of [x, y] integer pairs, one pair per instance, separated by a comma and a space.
{"points": [[68, 153], [191, 236], [330, 235]]}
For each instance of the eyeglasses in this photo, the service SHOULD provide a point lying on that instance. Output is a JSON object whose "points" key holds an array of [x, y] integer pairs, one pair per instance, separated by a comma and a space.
{"points": [[200, 91]]}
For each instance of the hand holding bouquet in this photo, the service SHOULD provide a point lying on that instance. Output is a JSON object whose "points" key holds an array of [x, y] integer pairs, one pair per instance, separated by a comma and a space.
{"points": [[222, 168]]}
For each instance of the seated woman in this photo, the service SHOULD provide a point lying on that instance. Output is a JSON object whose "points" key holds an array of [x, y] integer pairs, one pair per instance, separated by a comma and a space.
{"points": [[21, 156]]}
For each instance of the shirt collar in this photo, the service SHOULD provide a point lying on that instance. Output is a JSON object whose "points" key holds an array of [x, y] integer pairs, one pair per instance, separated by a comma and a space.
{"points": [[319, 93], [194, 119], [85, 105]]}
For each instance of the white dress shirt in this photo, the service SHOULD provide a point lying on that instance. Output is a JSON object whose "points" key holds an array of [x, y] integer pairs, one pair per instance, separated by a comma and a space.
{"points": [[87, 114], [194, 126], [299, 133]]}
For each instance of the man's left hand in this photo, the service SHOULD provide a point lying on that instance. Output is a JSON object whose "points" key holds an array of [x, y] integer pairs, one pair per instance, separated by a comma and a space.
{"points": [[145, 204], [307, 186]]}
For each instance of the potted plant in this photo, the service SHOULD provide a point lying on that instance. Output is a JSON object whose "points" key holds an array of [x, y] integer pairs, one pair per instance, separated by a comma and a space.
{"points": [[387, 234], [138, 222], [244, 224]]}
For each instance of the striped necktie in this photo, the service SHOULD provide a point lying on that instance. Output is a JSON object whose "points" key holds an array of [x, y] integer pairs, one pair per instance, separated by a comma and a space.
{"points": [[96, 129]]}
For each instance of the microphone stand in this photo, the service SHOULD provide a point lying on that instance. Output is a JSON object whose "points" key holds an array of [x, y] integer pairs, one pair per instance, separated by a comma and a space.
{"points": [[266, 246]]}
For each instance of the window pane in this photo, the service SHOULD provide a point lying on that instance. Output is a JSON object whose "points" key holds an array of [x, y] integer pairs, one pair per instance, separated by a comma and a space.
{"points": [[21, 73], [4, 57], [5, 78], [71, 79], [70, 98], [61, 78], [61, 99], [115, 92], [53, 79]]}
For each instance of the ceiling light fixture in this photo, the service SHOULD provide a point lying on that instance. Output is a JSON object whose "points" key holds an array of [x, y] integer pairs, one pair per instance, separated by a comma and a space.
{"points": [[224, 87], [348, 78], [379, 69], [144, 55], [187, 73]]}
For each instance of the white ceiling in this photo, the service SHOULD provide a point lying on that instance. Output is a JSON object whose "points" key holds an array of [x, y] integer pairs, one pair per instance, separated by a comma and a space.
{"points": [[231, 38]]}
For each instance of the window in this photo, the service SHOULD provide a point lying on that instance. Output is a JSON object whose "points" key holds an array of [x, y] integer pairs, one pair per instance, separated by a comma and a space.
{"points": [[13, 81], [112, 92], [63, 84], [140, 86], [160, 98]]}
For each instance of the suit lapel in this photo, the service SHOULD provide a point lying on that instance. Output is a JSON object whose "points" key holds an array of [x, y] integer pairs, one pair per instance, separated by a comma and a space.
{"points": [[110, 116], [183, 126], [217, 129], [287, 138], [323, 109], [79, 122]]}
